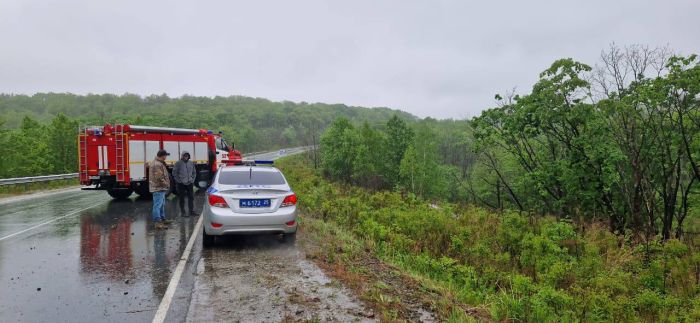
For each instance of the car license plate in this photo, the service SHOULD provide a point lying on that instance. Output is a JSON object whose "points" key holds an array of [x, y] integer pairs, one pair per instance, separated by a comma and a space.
{"points": [[254, 203]]}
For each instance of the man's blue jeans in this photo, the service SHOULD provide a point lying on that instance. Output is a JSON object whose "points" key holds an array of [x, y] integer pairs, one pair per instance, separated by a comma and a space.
{"points": [[158, 206]]}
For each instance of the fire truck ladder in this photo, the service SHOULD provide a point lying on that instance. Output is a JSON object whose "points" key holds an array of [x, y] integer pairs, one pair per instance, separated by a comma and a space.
{"points": [[119, 152], [82, 143]]}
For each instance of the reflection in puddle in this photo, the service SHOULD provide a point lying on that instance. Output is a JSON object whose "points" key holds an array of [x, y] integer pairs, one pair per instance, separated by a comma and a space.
{"points": [[160, 272], [105, 244], [120, 242], [105, 264]]}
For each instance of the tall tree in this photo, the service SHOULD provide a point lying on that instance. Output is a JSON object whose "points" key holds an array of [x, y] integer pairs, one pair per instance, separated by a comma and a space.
{"points": [[4, 145], [419, 168], [338, 149], [368, 167], [399, 137], [61, 139], [28, 153]]}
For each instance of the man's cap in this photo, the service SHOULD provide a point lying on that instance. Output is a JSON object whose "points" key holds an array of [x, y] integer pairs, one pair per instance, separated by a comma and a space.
{"points": [[162, 153]]}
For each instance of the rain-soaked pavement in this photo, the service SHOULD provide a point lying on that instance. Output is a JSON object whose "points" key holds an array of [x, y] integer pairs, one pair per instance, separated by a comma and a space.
{"points": [[79, 256], [99, 260]]}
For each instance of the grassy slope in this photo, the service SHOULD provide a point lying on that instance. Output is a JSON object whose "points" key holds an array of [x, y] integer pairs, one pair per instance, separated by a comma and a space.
{"points": [[400, 254]]}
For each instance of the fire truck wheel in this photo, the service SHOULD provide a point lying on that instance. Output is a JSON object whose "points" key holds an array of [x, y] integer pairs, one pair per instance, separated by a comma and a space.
{"points": [[201, 181], [141, 188], [120, 194], [173, 187], [201, 184], [144, 194]]}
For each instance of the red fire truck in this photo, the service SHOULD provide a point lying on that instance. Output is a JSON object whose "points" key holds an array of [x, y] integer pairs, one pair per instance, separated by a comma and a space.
{"points": [[115, 158]]}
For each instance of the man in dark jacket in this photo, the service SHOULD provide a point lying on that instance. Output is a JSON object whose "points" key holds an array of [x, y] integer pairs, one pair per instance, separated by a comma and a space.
{"points": [[159, 185], [184, 174]]}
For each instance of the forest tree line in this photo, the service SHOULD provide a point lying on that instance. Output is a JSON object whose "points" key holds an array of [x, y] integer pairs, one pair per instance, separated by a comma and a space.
{"points": [[38, 132], [617, 142], [590, 180]]}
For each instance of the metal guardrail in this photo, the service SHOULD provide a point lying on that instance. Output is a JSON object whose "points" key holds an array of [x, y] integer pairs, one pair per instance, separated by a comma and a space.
{"points": [[276, 150], [286, 151], [36, 179]]}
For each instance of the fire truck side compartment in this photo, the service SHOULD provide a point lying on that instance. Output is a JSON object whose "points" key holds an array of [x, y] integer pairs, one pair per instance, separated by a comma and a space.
{"points": [[137, 160]]}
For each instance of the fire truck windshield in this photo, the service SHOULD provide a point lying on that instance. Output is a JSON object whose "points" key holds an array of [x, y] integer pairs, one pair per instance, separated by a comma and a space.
{"points": [[221, 144]]}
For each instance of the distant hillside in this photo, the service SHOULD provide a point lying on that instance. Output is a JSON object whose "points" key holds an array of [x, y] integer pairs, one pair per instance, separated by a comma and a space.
{"points": [[254, 123]]}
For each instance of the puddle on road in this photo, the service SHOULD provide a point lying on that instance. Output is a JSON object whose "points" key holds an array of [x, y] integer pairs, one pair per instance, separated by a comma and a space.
{"points": [[106, 263], [261, 279]]}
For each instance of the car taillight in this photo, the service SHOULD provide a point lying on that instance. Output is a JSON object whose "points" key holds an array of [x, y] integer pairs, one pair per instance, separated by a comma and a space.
{"points": [[290, 200], [218, 201]]}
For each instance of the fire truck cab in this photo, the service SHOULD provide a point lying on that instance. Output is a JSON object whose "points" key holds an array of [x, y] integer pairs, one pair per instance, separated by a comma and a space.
{"points": [[115, 158]]}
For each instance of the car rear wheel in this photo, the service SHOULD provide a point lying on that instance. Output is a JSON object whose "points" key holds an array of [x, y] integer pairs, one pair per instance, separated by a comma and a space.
{"points": [[207, 240], [120, 193], [289, 237]]}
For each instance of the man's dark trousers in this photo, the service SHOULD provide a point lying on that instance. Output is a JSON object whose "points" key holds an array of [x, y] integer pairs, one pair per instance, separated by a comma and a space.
{"points": [[183, 189]]}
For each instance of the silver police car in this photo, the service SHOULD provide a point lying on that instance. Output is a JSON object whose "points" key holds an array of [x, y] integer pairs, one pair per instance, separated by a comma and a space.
{"points": [[249, 199]]}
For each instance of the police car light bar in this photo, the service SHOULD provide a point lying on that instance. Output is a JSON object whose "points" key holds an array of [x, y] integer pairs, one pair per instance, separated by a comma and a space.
{"points": [[256, 162]]}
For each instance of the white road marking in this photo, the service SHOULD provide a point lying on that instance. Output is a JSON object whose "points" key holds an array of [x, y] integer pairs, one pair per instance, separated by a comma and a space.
{"points": [[175, 280], [49, 221]]}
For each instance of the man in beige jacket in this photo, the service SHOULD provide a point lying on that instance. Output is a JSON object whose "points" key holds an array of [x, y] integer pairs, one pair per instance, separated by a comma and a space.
{"points": [[159, 185]]}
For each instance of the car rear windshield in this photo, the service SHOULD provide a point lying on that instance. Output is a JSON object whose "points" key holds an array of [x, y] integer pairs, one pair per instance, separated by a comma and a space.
{"points": [[254, 178]]}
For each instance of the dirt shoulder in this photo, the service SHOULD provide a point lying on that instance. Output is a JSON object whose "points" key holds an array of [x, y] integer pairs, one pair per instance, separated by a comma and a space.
{"points": [[392, 293], [264, 279], [326, 275]]}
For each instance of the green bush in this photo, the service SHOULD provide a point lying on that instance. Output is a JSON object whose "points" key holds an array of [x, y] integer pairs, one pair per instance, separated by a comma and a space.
{"points": [[520, 268]]}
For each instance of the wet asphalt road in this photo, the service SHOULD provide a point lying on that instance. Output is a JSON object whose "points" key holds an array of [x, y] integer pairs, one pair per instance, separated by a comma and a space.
{"points": [[100, 261], [79, 256]]}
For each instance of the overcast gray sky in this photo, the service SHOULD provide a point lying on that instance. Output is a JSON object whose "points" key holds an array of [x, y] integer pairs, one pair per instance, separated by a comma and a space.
{"points": [[431, 58]]}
